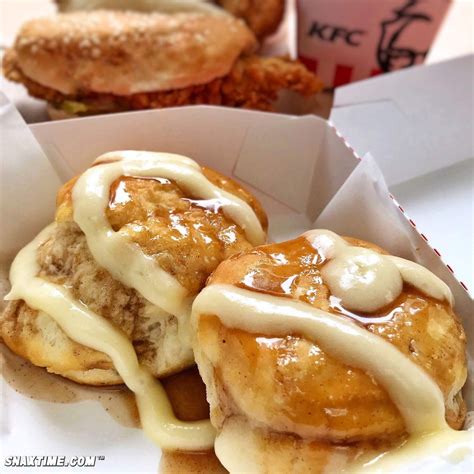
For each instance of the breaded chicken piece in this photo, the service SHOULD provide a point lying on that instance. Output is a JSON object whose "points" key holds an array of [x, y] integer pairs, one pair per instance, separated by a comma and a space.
{"points": [[262, 16], [253, 83]]}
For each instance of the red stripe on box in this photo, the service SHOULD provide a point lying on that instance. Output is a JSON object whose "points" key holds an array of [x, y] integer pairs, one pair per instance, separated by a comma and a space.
{"points": [[424, 237], [375, 72], [450, 268], [336, 131], [464, 286], [437, 252], [412, 222], [310, 63], [342, 75]]}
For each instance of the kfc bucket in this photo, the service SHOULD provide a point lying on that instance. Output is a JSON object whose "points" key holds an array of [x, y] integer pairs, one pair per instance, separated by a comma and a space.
{"points": [[345, 41]]}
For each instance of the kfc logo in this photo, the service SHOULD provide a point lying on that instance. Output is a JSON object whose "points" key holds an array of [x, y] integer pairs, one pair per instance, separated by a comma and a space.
{"points": [[335, 33]]}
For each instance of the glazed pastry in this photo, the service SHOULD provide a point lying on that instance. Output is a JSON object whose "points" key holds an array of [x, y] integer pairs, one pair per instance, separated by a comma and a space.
{"points": [[85, 63], [323, 351], [135, 238]]}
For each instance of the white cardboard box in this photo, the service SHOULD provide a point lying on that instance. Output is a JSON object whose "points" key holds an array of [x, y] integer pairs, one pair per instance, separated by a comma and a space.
{"points": [[418, 124], [298, 166]]}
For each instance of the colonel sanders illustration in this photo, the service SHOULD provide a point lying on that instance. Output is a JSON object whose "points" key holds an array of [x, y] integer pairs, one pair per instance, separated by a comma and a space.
{"points": [[390, 53]]}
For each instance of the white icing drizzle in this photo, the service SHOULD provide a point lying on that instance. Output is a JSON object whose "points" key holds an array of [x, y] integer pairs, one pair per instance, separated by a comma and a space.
{"points": [[421, 453], [365, 280], [415, 394], [128, 264], [420, 277], [129, 155], [126, 261], [88, 328]]}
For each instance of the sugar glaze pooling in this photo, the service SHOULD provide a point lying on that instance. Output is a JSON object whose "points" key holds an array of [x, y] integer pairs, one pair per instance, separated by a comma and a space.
{"points": [[126, 262]]}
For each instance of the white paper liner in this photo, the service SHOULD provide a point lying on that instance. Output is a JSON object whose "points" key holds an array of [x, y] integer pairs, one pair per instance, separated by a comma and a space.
{"points": [[22, 185]]}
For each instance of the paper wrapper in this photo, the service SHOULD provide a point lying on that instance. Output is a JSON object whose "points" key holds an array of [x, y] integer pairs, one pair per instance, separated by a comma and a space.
{"points": [[348, 40], [300, 168]]}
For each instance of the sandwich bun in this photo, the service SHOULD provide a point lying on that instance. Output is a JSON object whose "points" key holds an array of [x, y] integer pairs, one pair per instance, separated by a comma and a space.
{"points": [[122, 53], [163, 6]]}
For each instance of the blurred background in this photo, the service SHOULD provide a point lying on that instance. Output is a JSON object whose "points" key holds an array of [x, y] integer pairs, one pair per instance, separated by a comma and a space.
{"points": [[455, 38]]}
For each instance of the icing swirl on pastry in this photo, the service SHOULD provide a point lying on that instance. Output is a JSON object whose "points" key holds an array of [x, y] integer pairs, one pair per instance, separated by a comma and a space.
{"points": [[128, 264], [365, 280], [125, 260], [416, 395]]}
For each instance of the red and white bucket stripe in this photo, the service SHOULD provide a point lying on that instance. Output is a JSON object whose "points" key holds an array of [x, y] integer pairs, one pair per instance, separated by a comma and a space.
{"points": [[336, 74], [347, 40]]}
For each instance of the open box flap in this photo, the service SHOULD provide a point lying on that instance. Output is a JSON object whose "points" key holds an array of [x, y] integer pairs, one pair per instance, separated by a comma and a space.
{"points": [[28, 184], [427, 118], [283, 159]]}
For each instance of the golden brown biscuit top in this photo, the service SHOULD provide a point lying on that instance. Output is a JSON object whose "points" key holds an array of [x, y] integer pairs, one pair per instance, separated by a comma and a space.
{"points": [[188, 237], [291, 269], [298, 387]]}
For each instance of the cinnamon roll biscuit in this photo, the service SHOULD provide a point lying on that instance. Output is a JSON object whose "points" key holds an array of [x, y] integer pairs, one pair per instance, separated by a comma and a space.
{"points": [[321, 350], [135, 238]]}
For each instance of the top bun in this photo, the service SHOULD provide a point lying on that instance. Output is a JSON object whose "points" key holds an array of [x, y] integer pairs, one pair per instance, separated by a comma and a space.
{"points": [[123, 53], [262, 16], [163, 6]]}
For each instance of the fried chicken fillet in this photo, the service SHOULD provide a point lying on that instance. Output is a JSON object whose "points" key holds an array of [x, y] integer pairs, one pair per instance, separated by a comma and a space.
{"points": [[253, 83]]}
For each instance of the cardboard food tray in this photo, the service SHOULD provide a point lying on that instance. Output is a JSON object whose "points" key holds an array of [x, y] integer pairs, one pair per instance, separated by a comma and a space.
{"points": [[302, 170]]}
